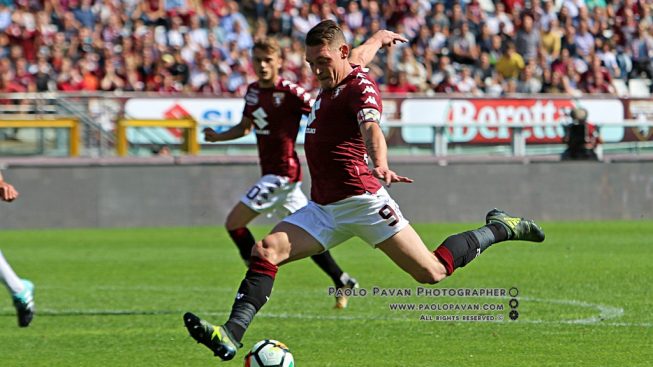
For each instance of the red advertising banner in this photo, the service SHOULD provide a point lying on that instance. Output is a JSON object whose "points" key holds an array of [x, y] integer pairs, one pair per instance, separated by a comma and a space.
{"points": [[474, 121]]}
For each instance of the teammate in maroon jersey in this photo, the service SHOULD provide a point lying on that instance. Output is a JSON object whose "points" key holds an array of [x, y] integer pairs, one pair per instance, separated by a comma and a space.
{"points": [[273, 109], [342, 137]]}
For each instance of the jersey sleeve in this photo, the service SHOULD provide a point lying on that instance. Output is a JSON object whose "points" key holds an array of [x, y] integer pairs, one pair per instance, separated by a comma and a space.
{"points": [[303, 98], [365, 99], [251, 101]]}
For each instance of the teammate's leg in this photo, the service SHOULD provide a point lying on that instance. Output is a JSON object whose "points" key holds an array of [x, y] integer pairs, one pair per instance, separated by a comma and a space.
{"points": [[287, 242], [340, 279], [21, 290], [296, 200], [236, 224]]}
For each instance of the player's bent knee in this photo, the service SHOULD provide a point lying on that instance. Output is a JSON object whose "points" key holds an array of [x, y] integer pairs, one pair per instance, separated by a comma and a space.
{"points": [[429, 276], [272, 248]]}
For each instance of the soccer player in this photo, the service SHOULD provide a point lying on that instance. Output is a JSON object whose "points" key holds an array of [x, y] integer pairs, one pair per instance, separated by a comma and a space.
{"points": [[347, 199], [273, 109], [21, 290]]}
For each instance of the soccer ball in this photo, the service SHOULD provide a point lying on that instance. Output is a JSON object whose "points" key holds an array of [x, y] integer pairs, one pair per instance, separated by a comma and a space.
{"points": [[269, 353]]}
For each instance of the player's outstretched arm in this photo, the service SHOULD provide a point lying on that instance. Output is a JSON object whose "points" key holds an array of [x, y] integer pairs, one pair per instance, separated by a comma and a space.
{"points": [[7, 191], [237, 131], [378, 153], [364, 54]]}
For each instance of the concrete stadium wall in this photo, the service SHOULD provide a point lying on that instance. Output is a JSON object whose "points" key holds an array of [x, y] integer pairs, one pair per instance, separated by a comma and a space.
{"points": [[202, 194]]}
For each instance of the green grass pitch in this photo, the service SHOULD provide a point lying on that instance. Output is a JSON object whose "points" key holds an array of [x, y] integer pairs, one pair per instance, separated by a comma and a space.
{"points": [[115, 297]]}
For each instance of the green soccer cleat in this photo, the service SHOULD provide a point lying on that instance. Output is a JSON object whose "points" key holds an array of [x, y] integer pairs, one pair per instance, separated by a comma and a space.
{"points": [[519, 229], [24, 303], [217, 338]]}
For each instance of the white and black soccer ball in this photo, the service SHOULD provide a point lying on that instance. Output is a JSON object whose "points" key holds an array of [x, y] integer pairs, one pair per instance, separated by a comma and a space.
{"points": [[269, 353]]}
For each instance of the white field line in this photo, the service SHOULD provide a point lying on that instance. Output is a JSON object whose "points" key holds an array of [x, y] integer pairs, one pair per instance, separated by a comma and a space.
{"points": [[605, 313]]}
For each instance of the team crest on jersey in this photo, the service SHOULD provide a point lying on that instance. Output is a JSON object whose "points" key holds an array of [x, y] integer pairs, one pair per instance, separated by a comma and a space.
{"points": [[277, 98], [251, 98], [337, 91]]}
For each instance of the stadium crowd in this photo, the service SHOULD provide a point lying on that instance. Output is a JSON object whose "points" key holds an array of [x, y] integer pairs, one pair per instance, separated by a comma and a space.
{"points": [[479, 47]]}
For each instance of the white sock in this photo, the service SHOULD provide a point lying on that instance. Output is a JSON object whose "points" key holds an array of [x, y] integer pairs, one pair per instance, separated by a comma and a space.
{"points": [[9, 278]]}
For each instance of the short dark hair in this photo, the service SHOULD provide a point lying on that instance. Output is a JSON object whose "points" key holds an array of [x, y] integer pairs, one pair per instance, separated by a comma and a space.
{"points": [[326, 32]]}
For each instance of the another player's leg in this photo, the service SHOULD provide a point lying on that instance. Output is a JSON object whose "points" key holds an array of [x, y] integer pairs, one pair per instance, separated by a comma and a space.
{"points": [[286, 243], [341, 280], [237, 220], [296, 200], [22, 292]]}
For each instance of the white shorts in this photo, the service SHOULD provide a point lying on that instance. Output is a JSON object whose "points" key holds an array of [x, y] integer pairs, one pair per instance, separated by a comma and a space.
{"points": [[372, 217], [275, 195]]}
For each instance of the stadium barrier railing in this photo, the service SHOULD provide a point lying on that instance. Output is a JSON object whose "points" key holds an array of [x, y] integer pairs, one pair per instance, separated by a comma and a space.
{"points": [[417, 124], [189, 144], [71, 124]]}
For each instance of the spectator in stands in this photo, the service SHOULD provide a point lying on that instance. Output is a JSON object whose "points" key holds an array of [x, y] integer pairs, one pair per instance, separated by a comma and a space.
{"points": [[399, 84], [608, 57], [551, 40], [240, 37], [466, 82], [463, 45], [84, 14], [439, 17], [439, 38], [483, 71], [5, 16], [528, 83], [569, 41], [414, 70], [111, 80], [137, 36], [443, 69], [548, 14], [447, 85], [303, 21], [511, 63], [500, 16], [596, 83], [354, 16], [496, 49], [374, 14], [641, 50], [527, 40], [573, 7], [584, 40], [556, 82]]}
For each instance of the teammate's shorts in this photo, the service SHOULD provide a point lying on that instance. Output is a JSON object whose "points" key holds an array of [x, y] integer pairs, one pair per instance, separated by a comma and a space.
{"points": [[372, 217], [275, 195]]}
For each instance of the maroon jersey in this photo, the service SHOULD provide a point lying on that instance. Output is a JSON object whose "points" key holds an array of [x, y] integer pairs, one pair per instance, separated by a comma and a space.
{"points": [[335, 150], [276, 113]]}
